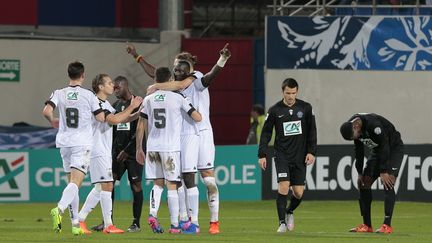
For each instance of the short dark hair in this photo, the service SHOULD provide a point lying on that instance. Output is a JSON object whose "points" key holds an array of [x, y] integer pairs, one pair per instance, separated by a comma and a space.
{"points": [[98, 80], [346, 130], [290, 83], [75, 70], [258, 108], [120, 79], [163, 74]]}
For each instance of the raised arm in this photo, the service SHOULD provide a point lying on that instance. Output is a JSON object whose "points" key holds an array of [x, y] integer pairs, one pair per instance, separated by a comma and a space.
{"points": [[224, 55], [148, 68]]}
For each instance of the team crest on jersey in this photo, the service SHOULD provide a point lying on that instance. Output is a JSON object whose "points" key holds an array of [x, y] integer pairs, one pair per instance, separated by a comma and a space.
{"points": [[72, 95], [292, 128], [299, 114], [159, 97], [291, 112], [377, 131]]}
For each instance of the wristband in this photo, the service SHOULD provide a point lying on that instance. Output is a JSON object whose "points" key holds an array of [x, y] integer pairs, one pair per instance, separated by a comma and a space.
{"points": [[221, 62], [138, 58]]}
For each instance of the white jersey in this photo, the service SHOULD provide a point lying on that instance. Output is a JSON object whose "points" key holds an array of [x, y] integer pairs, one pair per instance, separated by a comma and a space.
{"points": [[163, 110], [76, 107], [203, 105], [190, 126], [102, 133]]}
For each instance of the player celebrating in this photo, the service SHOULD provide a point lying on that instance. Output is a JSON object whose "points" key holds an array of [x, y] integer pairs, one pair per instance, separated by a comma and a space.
{"points": [[295, 148], [101, 161], [386, 156], [195, 86], [74, 138], [162, 117]]}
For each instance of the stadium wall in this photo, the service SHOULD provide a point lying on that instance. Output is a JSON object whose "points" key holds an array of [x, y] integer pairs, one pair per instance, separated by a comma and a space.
{"points": [[43, 68]]}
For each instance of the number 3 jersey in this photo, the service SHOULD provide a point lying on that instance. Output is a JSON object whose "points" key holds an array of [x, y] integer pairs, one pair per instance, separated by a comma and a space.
{"points": [[76, 107], [163, 110]]}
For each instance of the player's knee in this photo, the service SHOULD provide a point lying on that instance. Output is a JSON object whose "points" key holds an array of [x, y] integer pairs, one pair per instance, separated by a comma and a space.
{"points": [[211, 185], [189, 180], [207, 173], [283, 187], [106, 186], [136, 186]]}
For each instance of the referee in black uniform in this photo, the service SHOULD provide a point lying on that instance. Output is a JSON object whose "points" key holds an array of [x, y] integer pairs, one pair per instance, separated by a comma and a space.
{"points": [[295, 148], [387, 151]]}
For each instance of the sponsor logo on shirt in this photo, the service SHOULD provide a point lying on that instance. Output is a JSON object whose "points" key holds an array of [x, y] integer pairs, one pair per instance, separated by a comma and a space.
{"points": [[292, 128], [368, 142], [159, 97], [72, 95]]}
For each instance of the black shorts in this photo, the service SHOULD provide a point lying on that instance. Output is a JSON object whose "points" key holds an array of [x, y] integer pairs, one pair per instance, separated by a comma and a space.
{"points": [[372, 168], [135, 170], [294, 172]]}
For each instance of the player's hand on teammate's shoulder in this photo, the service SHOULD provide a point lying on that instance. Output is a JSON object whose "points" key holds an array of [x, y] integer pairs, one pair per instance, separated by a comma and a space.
{"points": [[136, 101], [130, 49], [225, 52], [151, 89]]}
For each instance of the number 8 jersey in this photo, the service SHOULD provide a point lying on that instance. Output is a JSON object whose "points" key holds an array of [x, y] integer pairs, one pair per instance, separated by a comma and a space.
{"points": [[76, 107]]}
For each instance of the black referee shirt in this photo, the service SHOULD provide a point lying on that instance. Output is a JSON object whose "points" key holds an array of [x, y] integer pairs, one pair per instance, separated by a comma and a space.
{"points": [[295, 130]]}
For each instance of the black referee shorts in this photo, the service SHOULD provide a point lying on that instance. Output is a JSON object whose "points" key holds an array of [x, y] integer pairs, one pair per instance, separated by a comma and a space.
{"points": [[135, 170], [294, 172]]}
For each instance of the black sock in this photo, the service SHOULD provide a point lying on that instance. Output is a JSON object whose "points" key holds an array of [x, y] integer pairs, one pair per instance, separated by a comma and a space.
{"points": [[112, 209], [389, 202], [281, 203], [294, 203], [366, 200], [137, 206]]}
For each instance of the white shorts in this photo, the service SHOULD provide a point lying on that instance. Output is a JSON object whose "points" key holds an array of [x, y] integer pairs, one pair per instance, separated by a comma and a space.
{"points": [[159, 165], [206, 154], [76, 157], [189, 153], [101, 169]]}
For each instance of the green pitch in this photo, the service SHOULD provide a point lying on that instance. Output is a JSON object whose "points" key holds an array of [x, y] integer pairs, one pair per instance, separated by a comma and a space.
{"points": [[315, 221]]}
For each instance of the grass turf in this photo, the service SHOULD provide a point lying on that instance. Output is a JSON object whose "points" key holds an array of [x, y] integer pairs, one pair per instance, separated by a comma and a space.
{"points": [[315, 221]]}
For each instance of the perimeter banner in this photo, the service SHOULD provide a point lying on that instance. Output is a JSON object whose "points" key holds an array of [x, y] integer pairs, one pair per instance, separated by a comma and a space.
{"points": [[334, 177]]}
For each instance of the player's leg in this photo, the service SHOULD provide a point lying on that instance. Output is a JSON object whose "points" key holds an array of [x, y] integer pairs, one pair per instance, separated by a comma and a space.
{"points": [[189, 162], [283, 179], [206, 157], [396, 157], [184, 216], [154, 172], [365, 200], [135, 171], [298, 177], [171, 170]]}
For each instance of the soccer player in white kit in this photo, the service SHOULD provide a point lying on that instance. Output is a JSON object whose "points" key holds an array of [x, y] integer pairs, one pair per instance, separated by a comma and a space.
{"points": [[101, 162], [199, 95], [162, 117], [76, 107]]}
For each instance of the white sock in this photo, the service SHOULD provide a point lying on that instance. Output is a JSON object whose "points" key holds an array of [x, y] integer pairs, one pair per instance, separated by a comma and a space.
{"points": [[212, 198], [90, 203], [73, 210], [106, 206], [69, 193], [173, 206], [155, 199], [193, 203], [182, 203]]}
